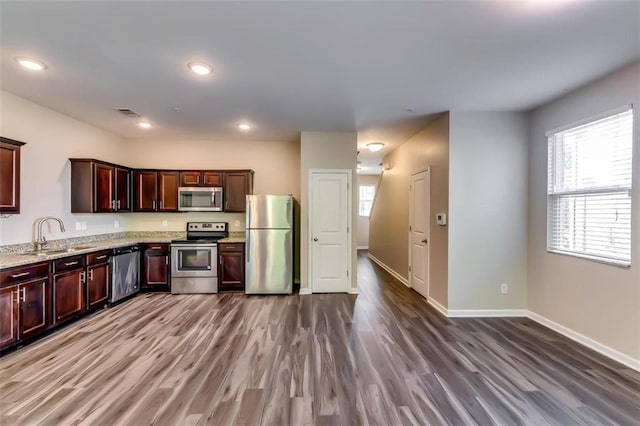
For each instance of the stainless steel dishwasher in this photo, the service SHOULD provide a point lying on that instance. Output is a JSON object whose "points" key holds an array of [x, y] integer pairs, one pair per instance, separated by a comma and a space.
{"points": [[125, 272]]}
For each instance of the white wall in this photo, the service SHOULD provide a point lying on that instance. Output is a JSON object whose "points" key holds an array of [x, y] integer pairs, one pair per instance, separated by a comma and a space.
{"points": [[362, 226], [325, 150], [52, 138], [599, 301], [487, 210]]}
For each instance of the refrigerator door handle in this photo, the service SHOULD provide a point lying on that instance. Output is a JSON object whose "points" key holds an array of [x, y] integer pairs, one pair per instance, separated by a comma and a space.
{"points": [[248, 256]]}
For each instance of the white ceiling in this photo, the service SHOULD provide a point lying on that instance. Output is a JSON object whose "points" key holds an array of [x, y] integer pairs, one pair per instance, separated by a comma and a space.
{"points": [[317, 66]]}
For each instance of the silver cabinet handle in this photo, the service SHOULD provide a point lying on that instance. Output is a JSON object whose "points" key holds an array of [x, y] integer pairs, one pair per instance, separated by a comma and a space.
{"points": [[154, 204], [83, 276], [71, 263], [23, 292], [118, 204], [166, 260], [161, 204], [155, 248], [22, 274], [17, 296], [104, 256], [90, 274]]}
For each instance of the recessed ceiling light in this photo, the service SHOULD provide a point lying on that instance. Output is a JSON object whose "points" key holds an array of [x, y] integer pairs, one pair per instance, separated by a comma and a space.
{"points": [[361, 168], [30, 64], [144, 125], [244, 127], [375, 146], [200, 68]]}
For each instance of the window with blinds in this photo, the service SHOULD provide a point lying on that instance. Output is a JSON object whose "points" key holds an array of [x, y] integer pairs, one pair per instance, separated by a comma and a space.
{"points": [[367, 194], [589, 189]]}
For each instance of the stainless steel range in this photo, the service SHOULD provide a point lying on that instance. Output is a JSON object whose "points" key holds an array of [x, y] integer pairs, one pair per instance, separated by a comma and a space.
{"points": [[194, 264]]}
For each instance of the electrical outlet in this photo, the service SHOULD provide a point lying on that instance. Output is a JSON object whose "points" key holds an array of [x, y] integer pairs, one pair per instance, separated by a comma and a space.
{"points": [[116, 224], [84, 225], [237, 224], [78, 226], [165, 223], [504, 288]]}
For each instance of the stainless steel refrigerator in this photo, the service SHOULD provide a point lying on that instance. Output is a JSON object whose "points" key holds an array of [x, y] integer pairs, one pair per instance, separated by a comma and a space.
{"points": [[269, 244]]}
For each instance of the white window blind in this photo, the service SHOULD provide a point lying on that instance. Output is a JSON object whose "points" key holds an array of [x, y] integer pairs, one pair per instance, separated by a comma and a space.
{"points": [[367, 193], [589, 189]]}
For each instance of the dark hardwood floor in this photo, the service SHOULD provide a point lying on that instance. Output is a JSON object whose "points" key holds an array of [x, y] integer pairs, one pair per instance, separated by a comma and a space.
{"points": [[384, 357]]}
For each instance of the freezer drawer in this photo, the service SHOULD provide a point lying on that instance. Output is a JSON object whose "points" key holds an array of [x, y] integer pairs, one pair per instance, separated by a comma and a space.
{"points": [[269, 261]]}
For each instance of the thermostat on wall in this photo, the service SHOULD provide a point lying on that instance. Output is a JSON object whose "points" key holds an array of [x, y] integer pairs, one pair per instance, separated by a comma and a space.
{"points": [[441, 219]]}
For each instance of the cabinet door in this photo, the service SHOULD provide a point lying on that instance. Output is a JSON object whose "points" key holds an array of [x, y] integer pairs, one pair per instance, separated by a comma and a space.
{"points": [[34, 307], [231, 271], [211, 179], [123, 189], [9, 176], [103, 180], [168, 191], [68, 295], [146, 191], [156, 270], [237, 186], [9, 316], [97, 285], [190, 178]]}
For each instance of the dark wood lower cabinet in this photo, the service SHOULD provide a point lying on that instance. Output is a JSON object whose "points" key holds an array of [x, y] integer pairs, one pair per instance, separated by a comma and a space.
{"points": [[33, 309], [155, 267], [231, 267], [68, 295], [98, 280], [9, 306]]}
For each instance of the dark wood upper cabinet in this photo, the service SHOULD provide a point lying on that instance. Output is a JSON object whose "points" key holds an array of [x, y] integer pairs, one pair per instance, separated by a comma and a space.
{"points": [[168, 191], [237, 185], [211, 178], [190, 178], [10, 175], [200, 178], [99, 187], [156, 191], [146, 190]]}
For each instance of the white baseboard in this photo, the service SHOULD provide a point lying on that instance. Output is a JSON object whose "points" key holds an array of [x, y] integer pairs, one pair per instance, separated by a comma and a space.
{"points": [[486, 313], [363, 247], [438, 307], [353, 290], [304, 291], [389, 270], [586, 341]]}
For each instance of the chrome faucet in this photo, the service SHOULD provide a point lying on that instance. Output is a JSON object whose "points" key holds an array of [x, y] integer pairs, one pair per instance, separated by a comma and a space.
{"points": [[41, 242]]}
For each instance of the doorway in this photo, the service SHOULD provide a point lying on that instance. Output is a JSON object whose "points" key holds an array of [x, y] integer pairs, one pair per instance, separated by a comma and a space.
{"points": [[419, 213], [330, 231]]}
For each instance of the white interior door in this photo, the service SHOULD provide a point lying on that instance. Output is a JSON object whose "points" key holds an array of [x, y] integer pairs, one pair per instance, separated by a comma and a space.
{"points": [[419, 233], [329, 255]]}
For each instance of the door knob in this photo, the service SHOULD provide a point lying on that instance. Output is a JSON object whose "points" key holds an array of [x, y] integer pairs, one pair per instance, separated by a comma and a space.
{"points": [[315, 238], [424, 241]]}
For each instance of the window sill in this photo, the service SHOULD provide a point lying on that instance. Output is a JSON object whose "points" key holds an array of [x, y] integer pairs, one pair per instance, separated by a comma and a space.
{"points": [[612, 262]]}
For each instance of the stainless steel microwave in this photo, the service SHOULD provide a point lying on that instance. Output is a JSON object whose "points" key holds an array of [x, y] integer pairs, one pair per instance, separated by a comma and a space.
{"points": [[197, 199]]}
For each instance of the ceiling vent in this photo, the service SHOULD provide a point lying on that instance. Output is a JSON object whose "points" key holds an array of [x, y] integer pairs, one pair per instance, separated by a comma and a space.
{"points": [[128, 112]]}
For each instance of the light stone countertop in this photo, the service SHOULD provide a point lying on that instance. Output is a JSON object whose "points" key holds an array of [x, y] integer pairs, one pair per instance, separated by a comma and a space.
{"points": [[10, 260]]}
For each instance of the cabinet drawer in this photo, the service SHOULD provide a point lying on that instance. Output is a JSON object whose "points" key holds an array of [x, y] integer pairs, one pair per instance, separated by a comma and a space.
{"points": [[24, 273], [69, 264], [155, 247], [231, 246], [98, 257]]}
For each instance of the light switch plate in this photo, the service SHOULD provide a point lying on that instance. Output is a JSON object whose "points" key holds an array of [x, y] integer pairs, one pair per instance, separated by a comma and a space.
{"points": [[165, 223]]}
